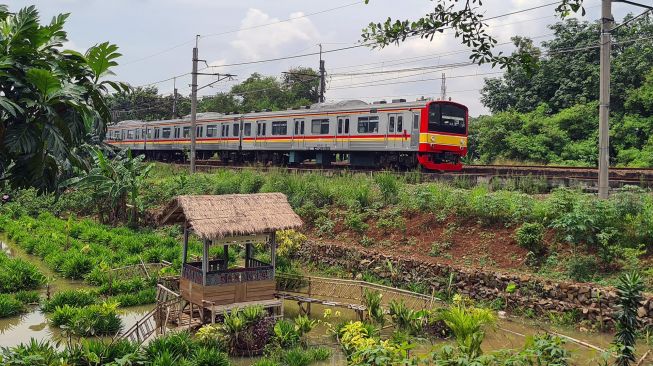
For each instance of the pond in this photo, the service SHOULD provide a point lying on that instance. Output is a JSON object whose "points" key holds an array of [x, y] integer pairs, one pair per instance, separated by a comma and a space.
{"points": [[509, 333]]}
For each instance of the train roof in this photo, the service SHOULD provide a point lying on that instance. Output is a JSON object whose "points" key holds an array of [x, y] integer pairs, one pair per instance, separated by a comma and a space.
{"points": [[317, 107]]}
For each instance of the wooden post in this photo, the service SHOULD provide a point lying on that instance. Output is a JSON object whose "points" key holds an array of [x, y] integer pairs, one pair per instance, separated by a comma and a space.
{"points": [[225, 255], [184, 254], [308, 308], [205, 261], [248, 254], [273, 250]]}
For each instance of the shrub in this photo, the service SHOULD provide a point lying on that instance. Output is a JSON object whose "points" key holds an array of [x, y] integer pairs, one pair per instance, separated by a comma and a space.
{"points": [[10, 306], [581, 268], [207, 356], [530, 236], [17, 274], [289, 242], [176, 345], [74, 298], [325, 226], [389, 186], [92, 320], [28, 297], [296, 357], [356, 222], [285, 334]]}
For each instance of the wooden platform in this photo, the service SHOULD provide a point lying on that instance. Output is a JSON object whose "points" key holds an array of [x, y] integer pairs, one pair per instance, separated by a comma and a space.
{"points": [[275, 305], [305, 304], [227, 294]]}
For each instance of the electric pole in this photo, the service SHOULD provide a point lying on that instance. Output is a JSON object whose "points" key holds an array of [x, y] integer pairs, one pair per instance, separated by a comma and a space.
{"points": [[322, 74], [604, 100], [443, 87], [174, 98], [193, 107]]}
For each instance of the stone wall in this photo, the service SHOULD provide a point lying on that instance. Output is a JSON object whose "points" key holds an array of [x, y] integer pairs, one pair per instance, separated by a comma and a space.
{"points": [[592, 302]]}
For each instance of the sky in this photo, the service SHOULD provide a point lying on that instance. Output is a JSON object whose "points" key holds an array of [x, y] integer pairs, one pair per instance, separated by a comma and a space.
{"points": [[156, 38]]}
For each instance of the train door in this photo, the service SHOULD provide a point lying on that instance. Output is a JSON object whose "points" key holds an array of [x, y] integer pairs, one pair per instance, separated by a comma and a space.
{"points": [[342, 133], [298, 133], [259, 137], [400, 130], [414, 132], [392, 132]]}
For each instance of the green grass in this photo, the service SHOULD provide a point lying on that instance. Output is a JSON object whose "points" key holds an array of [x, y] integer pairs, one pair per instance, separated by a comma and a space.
{"points": [[17, 274]]}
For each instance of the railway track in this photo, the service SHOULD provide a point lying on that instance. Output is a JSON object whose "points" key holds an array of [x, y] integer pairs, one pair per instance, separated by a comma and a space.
{"points": [[554, 175]]}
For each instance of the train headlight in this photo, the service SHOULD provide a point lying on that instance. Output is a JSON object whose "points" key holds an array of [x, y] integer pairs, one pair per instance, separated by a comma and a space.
{"points": [[432, 138]]}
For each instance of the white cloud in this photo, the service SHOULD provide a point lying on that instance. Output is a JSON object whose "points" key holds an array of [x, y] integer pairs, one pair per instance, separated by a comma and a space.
{"points": [[274, 40]]}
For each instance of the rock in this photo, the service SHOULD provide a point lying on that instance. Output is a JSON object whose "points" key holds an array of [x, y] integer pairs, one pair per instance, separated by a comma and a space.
{"points": [[641, 312], [502, 314]]}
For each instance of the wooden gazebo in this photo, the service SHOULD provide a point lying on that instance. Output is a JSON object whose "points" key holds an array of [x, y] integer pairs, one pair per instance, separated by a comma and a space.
{"points": [[235, 219]]}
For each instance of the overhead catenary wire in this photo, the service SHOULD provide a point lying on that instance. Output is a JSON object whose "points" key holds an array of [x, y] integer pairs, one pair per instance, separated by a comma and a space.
{"points": [[335, 49], [190, 41]]}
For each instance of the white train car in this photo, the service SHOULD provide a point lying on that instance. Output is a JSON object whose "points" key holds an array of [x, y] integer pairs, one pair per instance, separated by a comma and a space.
{"points": [[397, 134]]}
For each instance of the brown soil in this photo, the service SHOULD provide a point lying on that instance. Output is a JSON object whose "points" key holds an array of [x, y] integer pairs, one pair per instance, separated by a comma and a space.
{"points": [[460, 242]]}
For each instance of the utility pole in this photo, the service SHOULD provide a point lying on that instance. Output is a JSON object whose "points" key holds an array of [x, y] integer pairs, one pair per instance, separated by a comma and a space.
{"points": [[604, 99], [193, 107], [322, 74], [443, 87], [174, 98]]}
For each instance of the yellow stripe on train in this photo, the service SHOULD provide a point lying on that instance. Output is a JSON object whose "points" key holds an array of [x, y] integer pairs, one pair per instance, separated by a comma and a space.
{"points": [[434, 138]]}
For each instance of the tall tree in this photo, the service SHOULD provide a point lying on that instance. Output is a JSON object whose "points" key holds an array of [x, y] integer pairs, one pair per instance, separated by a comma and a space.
{"points": [[302, 83], [51, 100]]}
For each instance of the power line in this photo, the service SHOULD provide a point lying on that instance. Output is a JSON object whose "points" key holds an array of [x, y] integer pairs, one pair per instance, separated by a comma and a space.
{"points": [[413, 81], [341, 48], [281, 21], [190, 41]]}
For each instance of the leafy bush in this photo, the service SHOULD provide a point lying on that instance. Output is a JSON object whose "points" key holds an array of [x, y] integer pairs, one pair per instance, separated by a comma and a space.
{"points": [[356, 222], [73, 298], [92, 320], [17, 274], [28, 297], [10, 306], [289, 242], [206, 356], [389, 186], [325, 226], [582, 268], [530, 236]]}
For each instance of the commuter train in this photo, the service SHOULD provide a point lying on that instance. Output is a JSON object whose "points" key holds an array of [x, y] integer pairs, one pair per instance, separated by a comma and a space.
{"points": [[400, 134]]}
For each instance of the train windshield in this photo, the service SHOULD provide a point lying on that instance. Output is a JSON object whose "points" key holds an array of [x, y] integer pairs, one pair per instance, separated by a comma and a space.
{"points": [[444, 117]]}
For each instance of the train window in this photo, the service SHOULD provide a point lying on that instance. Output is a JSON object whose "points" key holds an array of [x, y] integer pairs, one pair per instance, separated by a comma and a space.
{"points": [[301, 127], [447, 118], [165, 132], [400, 123], [340, 125], [226, 130], [247, 129], [199, 131], [296, 128], [177, 132], [116, 135], [211, 130], [368, 124], [236, 129], [279, 128], [415, 121], [186, 132], [391, 124], [138, 133], [347, 125], [320, 126], [149, 133], [157, 132], [260, 128]]}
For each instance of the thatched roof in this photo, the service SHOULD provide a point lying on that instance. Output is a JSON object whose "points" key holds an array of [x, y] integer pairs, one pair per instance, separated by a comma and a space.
{"points": [[216, 217]]}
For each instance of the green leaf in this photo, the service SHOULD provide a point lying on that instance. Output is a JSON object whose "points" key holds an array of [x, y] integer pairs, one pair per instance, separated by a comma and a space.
{"points": [[44, 80], [9, 106], [22, 138], [100, 59]]}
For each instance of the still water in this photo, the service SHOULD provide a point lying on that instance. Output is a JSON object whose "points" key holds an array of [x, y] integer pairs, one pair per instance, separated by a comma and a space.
{"points": [[508, 333]]}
